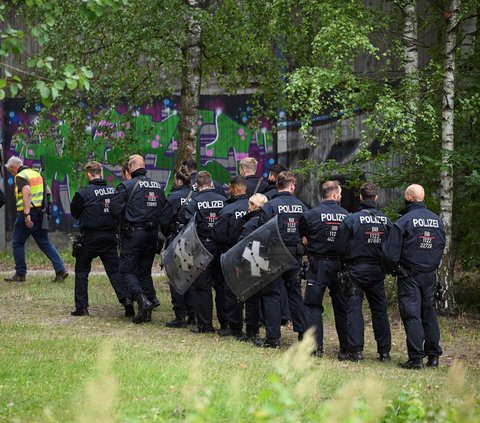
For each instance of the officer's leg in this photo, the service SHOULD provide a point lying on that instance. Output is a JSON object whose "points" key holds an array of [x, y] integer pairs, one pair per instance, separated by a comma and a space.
{"points": [[128, 265], [83, 263], [145, 263], [295, 299], [270, 296], [355, 322], [204, 299], [339, 303], [108, 255], [190, 305], [313, 301], [377, 300], [178, 304], [219, 287], [429, 316], [252, 315], [41, 238], [284, 304], [20, 236], [410, 304], [234, 311]]}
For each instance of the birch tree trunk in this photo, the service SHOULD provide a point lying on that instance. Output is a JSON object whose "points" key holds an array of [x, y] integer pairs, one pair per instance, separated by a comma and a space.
{"points": [[410, 37], [191, 84], [446, 190]]}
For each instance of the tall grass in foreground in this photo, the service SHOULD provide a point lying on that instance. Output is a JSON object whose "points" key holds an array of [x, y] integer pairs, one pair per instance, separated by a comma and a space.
{"points": [[290, 395]]}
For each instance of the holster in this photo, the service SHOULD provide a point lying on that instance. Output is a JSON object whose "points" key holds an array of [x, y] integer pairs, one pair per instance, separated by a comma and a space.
{"points": [[77, 246]]}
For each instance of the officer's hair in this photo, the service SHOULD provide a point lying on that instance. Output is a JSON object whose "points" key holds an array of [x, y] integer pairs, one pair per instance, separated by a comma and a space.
{"points": [[258, 199], [14, 161], [125, 169], [329, 188], [368, 191], [190, 165], [93, 168], [284, 179], [249, 165], [238, 180], [204, 179], [277, 168], [184, 177]]}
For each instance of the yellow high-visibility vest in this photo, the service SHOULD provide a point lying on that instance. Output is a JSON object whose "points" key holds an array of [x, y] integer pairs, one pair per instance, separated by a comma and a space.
{"points": [[35, 181]]}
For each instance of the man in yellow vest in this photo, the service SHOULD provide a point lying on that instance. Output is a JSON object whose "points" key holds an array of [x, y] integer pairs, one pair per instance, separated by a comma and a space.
{"points": [[29, 187]]}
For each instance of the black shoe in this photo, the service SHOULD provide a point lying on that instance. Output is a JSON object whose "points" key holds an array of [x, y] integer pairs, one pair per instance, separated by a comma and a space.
{"points": [[300, 336], [16, 277], [342, 355], [148, 316], [60, 276], [384, 357], [432, 361], [355, 356], [267, 343], [155, 302], [318, 353], [229, 332], [79, 312], [176, 323], [191, 320], [143, 306], [128, 305], [412, 364], [284, 322], [202, 329]]}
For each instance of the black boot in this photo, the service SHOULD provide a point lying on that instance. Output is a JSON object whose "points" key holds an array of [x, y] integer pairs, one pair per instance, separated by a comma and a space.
{"points": [[60, 276], [384, 357], [128, 305], [178, 323], [16, 277], [143, 306], [432, 361], [267, 343], [411, 363], [79, 312]]}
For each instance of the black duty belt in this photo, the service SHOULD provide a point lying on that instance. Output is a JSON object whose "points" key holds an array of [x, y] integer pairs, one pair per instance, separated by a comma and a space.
{"points": [[89, 231], [324, 258]]}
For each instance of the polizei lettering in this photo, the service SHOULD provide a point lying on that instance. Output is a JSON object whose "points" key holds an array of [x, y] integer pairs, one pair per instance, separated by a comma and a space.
{"points": [[425, 223], [290, 209], [216, 204], [149, 184], [104, 191], [332, 217], [240, 214], [371, 219]]}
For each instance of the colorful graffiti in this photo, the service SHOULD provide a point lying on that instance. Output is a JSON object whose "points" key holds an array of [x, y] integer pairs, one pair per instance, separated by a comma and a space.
{"points": [[224, 140]]}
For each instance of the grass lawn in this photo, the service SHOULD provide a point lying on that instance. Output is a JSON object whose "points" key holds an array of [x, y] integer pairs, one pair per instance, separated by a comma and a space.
{"points": [[100, 368]]}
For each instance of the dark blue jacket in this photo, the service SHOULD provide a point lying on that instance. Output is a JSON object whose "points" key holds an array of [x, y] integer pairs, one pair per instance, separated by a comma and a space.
{"points": [[320, 226], [147, 202], [206, 206], [250, 223], [227, 228], [92, 206], [416, 241], [252, 182], [361, 235], [289, 210]]}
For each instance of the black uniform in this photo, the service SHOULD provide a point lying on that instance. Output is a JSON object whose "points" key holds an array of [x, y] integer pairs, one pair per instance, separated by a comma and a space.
{"points": [[147, 211], [289, 210], [206, 206], [182, 303], [99, 239], [226, 233], [359, 245], [271, 190], [320, 226], [255, 184], [416, 242], [2, 198]]}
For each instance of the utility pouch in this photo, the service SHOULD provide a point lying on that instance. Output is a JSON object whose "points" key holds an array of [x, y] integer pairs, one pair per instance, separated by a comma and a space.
{"points": [[347, 286], [76, 246], [128, 230]]}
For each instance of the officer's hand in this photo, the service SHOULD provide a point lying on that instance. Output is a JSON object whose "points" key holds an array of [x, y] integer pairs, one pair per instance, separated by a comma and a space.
{"points": [[28, 222]]}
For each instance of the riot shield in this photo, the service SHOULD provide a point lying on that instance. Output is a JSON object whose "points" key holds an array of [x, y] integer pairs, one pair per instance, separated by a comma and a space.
{"points": [[185, 258], [256, 260]]}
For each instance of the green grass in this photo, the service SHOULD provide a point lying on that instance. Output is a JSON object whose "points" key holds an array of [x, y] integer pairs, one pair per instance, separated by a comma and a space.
{"points": [[54, 367]]}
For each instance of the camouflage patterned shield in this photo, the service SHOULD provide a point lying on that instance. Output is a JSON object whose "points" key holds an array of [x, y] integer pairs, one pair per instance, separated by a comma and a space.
{"points": [[256, 261], [185, 258]]}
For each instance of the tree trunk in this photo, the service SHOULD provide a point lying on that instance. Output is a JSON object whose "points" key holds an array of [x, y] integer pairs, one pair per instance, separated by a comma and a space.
{"points": [[446, 191], [410, 37], [191, 84]]}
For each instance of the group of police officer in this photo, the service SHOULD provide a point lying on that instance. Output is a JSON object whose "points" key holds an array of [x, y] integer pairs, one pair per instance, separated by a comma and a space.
{"points": [[347, 253]]}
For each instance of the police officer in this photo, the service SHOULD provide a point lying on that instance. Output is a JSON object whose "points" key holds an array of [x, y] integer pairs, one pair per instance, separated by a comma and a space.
{"points": [[289, 209], [320, 226], [206, 206], [190, 167], [274, 171], [414, 247], [179, 197], [248, 169], [359, 244], [99, 239], [226, 233], [31, 192], [142, 207]]}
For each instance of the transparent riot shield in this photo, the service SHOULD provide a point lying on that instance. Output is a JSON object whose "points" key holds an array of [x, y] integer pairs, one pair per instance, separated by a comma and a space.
{"points": [[185, 258], [256, 260]]}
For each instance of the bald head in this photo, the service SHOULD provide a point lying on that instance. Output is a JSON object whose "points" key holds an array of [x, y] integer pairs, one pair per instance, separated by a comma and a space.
{"points": [[414, 193], [135, 162]]}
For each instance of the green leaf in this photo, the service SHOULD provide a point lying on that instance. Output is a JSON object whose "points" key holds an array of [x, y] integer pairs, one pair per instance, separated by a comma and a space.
{"points": [[50, 20], [31, 62], [71, 84], [54, 93], [2, 94], [40, 85], [3, 83], [59, 85], [69, 70], [45, 92], [14, 89]]}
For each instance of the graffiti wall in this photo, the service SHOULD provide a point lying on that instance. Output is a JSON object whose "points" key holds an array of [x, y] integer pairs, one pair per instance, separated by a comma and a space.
{"points": [[224, 140]]}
